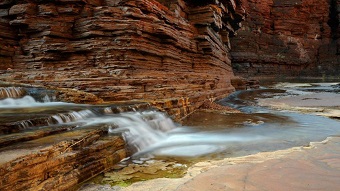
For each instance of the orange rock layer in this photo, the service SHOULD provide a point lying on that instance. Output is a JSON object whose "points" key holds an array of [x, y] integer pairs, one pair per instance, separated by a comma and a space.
{"points": [[60, 166], [121, 50]]}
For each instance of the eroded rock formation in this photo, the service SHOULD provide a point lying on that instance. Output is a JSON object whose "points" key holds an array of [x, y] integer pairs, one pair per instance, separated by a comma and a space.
{"points": [[60, 166], [175, 52], [295, 37], [42, 150]]}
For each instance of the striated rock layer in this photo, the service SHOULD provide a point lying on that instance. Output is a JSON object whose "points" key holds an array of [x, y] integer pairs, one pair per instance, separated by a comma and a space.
{"points": [[175, 52], [59, 166], [288, 38], [45, 149]]}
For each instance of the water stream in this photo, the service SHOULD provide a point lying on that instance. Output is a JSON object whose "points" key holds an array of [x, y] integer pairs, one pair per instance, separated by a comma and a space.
{"points": [[203, 135]]}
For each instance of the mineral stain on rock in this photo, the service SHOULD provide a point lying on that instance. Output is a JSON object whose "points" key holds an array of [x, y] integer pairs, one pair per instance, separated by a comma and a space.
{"points": [[151, 169]]}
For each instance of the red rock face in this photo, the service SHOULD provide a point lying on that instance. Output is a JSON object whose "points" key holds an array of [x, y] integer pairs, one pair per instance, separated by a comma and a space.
{"points": [[295, 37], [121, 49]]}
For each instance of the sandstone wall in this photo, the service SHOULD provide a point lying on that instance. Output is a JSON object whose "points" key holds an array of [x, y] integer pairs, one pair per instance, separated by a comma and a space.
{"points": [[175, 52], [60, 166], [289, 38]]}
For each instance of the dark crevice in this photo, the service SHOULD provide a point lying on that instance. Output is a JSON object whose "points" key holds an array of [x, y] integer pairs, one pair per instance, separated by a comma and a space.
{"points": [[194, 3], [333, 21]]}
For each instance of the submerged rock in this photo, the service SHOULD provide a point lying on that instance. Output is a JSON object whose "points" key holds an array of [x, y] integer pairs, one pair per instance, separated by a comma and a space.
{"points": [[137, 172]]}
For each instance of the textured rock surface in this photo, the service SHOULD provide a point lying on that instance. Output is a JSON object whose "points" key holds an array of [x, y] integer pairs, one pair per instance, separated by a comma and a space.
{"points": [[40, 153], [122, 49], [295, 37], [95, 51], [59, 166], [302, 168]]}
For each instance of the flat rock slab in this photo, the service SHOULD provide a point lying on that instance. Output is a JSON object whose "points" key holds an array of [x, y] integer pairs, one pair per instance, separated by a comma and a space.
{"points": [[325, 104], [308, 169], [309, 100], [316, 167]]}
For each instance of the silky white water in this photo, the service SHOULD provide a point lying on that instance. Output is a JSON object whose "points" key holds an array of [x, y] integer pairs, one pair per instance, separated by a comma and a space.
{"points": [[28, 102], [152, 133], [11, 92]]}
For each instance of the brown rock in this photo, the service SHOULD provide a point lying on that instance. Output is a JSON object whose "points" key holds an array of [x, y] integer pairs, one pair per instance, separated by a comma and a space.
{"points": [[27, 8], [60, 165], [124, 50], [284, 38]]}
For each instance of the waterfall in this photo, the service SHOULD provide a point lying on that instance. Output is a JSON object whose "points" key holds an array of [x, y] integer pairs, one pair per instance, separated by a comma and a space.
{"points": [[11, 92], [10, 102], [148, 132], [28, 102], [145, 128], [108, 110], [46, 98], [72, 116], [26, 124], [140, 129]]}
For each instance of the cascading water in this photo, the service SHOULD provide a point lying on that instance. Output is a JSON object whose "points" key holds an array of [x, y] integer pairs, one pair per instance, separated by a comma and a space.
{"points": [[11, 92], [152, 132], [139, 131], [28, 102], [72, 116], [149, 132], [25, 101], [26, 124]]}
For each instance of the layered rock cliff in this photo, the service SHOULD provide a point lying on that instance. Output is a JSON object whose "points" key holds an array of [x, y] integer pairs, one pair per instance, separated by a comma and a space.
{"points": [[289, 38], [172, 53], [175, 52]]}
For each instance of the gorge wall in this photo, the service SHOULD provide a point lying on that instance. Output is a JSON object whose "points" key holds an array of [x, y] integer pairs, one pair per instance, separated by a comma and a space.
{"points": [[288, 38], [175, 52]]}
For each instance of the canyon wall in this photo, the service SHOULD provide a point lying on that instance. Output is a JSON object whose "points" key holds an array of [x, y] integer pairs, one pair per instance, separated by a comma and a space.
{"points": [[288, 38], [173, 53]]}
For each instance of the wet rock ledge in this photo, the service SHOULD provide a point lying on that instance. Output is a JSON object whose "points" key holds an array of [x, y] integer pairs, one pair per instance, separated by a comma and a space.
{"points": [[40, 153], [60, 166]]}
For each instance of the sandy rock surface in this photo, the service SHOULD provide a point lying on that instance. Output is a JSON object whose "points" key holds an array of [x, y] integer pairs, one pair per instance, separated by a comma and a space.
{"points": [[315, 167]]}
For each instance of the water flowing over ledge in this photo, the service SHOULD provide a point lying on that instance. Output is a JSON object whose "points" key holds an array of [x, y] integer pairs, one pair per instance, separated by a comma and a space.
{"points": [[11, 92], [106, 134]]}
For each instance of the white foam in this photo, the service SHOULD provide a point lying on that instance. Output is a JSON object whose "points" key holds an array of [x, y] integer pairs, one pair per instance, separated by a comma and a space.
{"points": [[11, 92], [27, 102]]}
